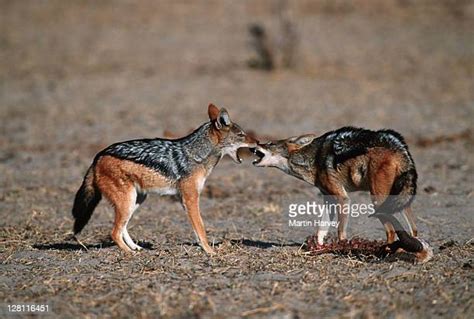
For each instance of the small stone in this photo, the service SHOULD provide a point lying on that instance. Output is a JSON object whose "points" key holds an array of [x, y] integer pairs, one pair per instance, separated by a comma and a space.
{"points": [[429, 189]]}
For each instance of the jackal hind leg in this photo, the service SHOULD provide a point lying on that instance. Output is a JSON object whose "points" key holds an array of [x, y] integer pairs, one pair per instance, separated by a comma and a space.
{"points": [[381, 180], [136, 199], [123, 200], [392, 245], [122, 216], [125, 235], [380, 187], [410, 219], [389, 231]]}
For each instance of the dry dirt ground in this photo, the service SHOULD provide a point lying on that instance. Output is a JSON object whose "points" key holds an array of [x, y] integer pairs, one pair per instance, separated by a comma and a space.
{"points": [[76, 76]]}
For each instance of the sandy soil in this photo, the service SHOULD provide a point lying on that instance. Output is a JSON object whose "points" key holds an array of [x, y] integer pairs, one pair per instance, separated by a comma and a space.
{"points": [[77, 76]]}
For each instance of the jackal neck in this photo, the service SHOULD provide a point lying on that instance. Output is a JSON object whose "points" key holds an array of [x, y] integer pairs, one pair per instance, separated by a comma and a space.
{"points": [[199, 145], [301, 163]]}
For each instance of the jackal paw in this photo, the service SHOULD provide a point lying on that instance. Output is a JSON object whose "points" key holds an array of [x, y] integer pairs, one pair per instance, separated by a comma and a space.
{"points": [[137, 248], [134, 247], [425, 255], [209, 250]]}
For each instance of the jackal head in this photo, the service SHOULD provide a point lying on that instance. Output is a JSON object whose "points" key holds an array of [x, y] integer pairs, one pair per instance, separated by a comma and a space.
{"points": [[277, 153], [230, 137]]}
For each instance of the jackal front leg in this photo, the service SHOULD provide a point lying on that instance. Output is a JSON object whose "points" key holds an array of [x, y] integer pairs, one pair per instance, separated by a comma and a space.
{"points": [[323, 228], [342, 216], [337, 206], [190, 192]]}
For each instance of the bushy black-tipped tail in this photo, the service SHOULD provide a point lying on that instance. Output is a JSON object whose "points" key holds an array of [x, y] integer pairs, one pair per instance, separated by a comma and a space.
{"points": [[87, 198]]}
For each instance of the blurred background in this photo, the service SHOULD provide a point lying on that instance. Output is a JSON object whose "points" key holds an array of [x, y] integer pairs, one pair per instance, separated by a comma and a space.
{"points": [[93, 72]]}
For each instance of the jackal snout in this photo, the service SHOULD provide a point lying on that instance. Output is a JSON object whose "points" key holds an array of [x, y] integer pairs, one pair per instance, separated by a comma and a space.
{"points": [[276, 153]]}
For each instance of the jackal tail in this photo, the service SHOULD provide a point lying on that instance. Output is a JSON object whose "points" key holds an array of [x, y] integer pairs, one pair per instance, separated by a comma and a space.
{"points": [[402, 193], [87, 198]]}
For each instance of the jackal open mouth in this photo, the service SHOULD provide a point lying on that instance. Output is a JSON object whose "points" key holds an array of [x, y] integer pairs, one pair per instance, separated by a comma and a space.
{"points": [[259, 154]]}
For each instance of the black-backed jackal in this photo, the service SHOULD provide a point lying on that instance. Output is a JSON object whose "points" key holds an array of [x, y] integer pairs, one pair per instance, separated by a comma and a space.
{"points": [[124, 173], [352, 159]]}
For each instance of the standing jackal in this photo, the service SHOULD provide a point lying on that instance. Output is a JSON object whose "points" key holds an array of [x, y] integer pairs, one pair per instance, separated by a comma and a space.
{"points": [[125, 172], [353, 159]]}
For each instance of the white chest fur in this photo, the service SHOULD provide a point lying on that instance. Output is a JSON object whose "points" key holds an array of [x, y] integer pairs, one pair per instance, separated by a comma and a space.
{"points": [[163, 191]]}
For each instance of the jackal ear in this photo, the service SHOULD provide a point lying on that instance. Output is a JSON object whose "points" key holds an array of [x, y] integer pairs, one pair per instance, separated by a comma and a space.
{"points": [[213, 112], [299, 141], [223, 120]]}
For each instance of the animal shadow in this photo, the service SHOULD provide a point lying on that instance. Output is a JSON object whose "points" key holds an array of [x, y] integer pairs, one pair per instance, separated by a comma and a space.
{"points": [[262, 244], [249, 243], [73, 246]]}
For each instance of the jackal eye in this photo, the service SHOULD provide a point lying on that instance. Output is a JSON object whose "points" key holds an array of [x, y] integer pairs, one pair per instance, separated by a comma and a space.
{"points": [[241, 134]]}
